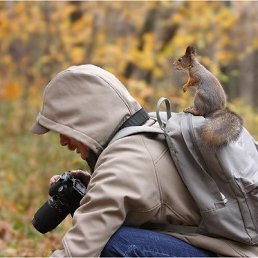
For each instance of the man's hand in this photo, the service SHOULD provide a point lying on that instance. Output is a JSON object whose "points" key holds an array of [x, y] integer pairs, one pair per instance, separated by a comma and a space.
{"points": [[84, 176]]}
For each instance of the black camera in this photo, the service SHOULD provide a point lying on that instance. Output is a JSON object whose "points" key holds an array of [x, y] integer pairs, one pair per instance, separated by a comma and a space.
{"points": [[64, 198]]}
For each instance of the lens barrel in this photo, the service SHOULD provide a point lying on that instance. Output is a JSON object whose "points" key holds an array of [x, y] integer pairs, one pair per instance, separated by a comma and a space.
{"points": [[48, 217], [64, 198]]}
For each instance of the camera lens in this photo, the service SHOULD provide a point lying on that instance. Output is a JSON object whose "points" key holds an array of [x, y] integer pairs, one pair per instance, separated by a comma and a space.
{"points": [[49, 216], [64, 198]]}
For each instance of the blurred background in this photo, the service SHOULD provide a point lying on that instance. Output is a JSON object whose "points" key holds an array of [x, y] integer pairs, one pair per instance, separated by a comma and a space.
{"points": [[138, 42]]}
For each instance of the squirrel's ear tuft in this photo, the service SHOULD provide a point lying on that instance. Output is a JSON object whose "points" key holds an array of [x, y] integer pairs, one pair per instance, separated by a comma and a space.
{"points": [[190, 51]]}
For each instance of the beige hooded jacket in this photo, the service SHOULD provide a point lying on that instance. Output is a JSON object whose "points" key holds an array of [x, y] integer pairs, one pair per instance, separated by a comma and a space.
{"points": [[134, 179]]}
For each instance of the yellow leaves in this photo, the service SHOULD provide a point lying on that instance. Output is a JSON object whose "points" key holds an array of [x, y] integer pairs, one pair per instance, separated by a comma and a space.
{"points": [[140, 90], [184, 39], [35, 97], [86, 21], [144, 61], [6, 60], [77, 55], [64, 11], [225, 18], [11, 92], [145, 58], [177, 18], [204, 24], [4, 24], [225, 56], [255, 42], [158, 71], [10, 178]]}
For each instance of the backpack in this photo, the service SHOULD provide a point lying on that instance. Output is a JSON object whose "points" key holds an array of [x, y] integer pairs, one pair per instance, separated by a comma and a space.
{"points": [[223, 182]]}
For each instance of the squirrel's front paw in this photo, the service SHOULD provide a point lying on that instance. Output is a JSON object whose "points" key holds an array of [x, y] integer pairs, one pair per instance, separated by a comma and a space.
{"points": [[184, 88]]}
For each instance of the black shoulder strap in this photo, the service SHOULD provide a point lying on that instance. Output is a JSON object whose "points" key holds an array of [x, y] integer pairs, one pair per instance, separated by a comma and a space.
{"points": [[133, 126], [139, 118]]}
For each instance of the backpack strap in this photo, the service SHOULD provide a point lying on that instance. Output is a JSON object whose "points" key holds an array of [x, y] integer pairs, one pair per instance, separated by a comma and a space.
{"points": [[135, 130], [131, 129], [137, 119], [161, 122]]}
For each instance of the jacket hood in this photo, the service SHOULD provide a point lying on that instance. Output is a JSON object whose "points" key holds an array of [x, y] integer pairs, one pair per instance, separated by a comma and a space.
{"points": [[86, 103]]}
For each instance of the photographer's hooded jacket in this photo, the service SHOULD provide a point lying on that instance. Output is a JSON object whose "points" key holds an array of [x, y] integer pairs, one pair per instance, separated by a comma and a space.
{"points": [[134, 179]]}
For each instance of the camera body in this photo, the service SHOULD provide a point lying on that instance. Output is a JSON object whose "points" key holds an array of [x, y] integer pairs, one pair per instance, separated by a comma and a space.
{"points": [[64, 197]]}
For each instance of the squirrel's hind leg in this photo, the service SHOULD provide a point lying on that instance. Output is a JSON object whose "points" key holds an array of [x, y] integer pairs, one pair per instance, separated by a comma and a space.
{"points": [[192, 110]]}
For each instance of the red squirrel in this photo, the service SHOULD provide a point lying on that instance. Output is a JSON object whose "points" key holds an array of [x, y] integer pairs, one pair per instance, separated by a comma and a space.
{"points": [[223, 125]]}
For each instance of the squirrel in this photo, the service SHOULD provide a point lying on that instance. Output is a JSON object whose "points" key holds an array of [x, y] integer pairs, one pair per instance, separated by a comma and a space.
{"points": [[222, 125]]}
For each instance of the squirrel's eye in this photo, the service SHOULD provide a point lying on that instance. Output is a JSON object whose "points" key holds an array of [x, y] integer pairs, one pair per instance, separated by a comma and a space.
{"points": [[180, 60]]}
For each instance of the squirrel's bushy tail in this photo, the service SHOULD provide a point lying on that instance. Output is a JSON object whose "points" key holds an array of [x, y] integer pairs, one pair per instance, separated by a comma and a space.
{"points": [[222, 127]]}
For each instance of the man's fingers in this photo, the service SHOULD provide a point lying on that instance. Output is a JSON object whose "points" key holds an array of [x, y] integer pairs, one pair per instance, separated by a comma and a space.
{"points": [[84, 176], [53, 179]]}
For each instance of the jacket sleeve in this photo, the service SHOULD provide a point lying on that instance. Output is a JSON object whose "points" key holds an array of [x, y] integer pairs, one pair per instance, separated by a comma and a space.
{"points": [[117, 187]]}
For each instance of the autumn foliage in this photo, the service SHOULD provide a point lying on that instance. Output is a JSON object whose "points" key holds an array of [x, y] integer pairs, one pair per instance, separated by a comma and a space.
{"points": [[138, 42]]}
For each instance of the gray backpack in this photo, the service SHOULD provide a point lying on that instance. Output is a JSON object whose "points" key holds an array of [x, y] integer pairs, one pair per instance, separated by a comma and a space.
{"points": [[223, 182]]}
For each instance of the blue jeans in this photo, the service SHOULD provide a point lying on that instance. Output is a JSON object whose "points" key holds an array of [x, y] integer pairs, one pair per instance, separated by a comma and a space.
{"points": [[135, 242]]}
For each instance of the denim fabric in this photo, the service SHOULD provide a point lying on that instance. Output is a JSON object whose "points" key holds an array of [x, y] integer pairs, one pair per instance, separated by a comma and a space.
{"points": [[134, 242]]}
